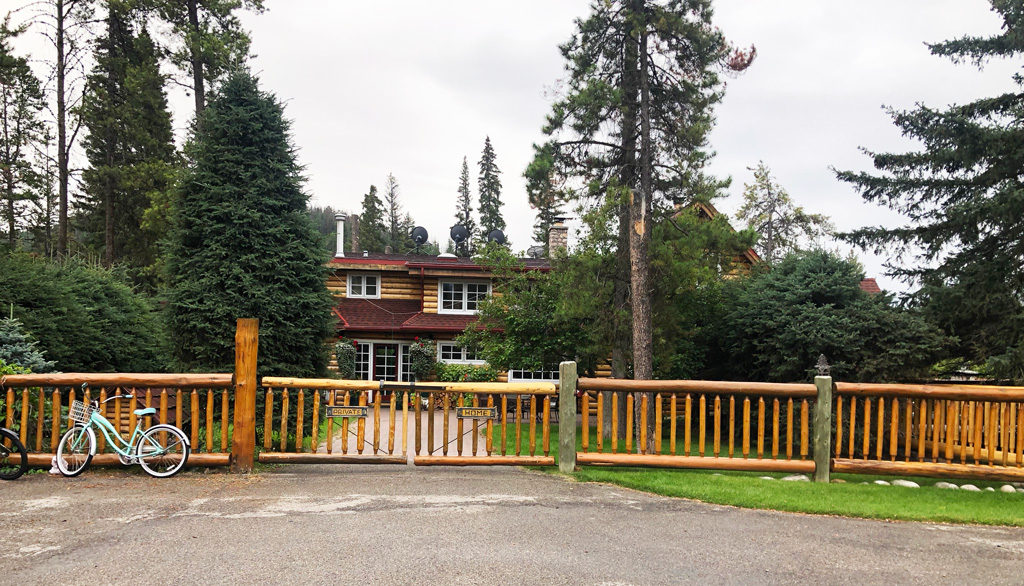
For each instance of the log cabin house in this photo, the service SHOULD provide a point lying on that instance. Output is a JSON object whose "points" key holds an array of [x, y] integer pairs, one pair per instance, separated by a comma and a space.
{"points": [[385, 302]]}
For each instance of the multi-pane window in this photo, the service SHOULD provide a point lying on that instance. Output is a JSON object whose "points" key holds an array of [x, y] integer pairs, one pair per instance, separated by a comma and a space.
{"points": [[457, 297], [365, 286], [363, 361], [533, 375], [406, 364], [447, 352]]}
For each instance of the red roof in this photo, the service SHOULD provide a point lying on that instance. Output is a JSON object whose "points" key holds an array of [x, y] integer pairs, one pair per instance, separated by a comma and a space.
{"points": [[391, 315], [870, 286]]}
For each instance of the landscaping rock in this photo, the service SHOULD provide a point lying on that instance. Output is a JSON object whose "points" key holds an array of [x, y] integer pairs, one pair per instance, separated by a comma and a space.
{"points": [[905, 483], [948, 485], [796, 478], [766, 478], [989, 489], [882, 483], [1007, 488], [838, 481], [970, 488]]}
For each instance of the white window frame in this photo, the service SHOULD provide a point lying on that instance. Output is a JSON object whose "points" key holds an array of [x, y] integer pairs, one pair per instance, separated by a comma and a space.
{"points": [[462, 353], [370, 344], [465, 296], [514, 376], [362, 285]]}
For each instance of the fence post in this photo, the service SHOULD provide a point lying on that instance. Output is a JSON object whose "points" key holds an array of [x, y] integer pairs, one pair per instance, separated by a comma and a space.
{"points": [[567, 417], [243, 438], [823, 428]]}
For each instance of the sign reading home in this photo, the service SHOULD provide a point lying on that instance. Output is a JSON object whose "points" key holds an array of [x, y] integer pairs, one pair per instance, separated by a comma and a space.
{"points": [[476, 412], [347, 411]]}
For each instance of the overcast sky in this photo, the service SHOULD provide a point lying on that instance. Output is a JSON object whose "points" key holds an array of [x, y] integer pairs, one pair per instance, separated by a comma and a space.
{"points": [[410, 87]]}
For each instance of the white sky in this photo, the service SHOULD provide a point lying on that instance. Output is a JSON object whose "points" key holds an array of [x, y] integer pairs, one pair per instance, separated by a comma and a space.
{"points": [[410, 87]]}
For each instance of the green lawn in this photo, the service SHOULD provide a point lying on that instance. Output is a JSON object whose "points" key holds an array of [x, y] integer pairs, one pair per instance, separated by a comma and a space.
{"points": [[849, 498]]}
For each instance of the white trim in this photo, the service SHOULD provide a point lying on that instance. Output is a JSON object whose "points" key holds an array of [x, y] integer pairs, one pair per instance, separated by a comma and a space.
{"points": [[400, 370], [440, 295], [513, 378], [462, 361], [348, 285]]}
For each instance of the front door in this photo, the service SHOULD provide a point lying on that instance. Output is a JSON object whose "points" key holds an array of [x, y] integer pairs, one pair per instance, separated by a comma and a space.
{"points": [[385, 362]]}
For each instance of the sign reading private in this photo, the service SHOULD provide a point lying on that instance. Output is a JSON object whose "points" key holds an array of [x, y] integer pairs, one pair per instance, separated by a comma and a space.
{"points": [[476, 412], [347, 411]]}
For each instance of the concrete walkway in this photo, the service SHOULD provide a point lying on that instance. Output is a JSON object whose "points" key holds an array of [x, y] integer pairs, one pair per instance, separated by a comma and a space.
{"points": [[318, 524]]}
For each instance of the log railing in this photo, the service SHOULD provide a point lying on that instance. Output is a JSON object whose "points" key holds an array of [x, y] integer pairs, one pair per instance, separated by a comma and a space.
{"points": [[36, 407], [697, 424], [398, 421], [930, 430]]}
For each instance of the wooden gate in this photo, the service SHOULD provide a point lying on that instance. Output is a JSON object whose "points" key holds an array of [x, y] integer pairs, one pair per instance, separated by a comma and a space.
{"points": [[453, 424]]}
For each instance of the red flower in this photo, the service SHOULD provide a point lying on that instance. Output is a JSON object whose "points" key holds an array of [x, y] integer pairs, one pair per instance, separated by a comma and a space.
{"points": [[417, 338], [355, 344]]}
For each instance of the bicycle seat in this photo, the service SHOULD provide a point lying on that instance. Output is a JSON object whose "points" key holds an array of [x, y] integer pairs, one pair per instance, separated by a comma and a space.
{"points": [[146, 411]]}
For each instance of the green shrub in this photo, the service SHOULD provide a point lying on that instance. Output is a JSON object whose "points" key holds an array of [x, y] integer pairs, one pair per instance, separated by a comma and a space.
{"points": [[451, 373], [345, 354], [422, 354]]}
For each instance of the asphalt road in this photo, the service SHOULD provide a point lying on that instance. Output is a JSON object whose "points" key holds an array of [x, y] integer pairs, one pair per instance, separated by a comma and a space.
{"points": [[395, 524]]}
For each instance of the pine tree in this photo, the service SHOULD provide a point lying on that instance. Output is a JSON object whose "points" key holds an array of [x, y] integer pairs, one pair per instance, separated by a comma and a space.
{"points": [[464, 211], [962, 195], [21, 100], [489, 186], [543, 195], [784, 227], [129, 146], [393, 216], [373, 235], [16, 348], [243, 244]]}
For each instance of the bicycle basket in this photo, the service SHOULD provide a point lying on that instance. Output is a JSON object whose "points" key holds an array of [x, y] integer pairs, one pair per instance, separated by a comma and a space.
{"points": [[80, 412]]}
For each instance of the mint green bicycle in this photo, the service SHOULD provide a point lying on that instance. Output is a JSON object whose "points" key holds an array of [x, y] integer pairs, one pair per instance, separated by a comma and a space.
{"points": [[161, 450]]}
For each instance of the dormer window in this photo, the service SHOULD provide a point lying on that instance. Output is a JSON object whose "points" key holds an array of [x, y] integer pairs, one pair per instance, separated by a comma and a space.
{"points": [[462, 297], [363, 286]]}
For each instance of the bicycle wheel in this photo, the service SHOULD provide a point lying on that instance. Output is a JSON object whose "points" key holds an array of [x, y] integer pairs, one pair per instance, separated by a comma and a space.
{"points": [[162, 450], [75, 450], [13, 457]]}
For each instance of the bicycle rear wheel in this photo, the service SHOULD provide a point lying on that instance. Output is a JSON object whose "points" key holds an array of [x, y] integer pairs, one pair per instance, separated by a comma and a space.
{"points": [[162, 451], [13, 457], [75, 450]]}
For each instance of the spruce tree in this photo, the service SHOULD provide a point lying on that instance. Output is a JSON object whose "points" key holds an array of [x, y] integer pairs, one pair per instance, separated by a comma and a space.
{"points": [[21, 101], [962, 194], [372, 233], [393, 220], [543, 195], [243, 244], [17, 348], [489, 186], [129, 146], [464, 211]]}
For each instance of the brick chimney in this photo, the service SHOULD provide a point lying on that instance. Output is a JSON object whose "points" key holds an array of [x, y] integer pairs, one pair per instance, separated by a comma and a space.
{"points": [[558, 236], [339, 220]]}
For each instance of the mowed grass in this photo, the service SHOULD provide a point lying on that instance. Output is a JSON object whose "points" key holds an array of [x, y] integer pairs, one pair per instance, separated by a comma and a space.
{"points": [[849, 498]]}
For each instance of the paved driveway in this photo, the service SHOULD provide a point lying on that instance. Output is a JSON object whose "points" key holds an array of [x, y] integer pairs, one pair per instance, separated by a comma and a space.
{"points": [[395, 524]]}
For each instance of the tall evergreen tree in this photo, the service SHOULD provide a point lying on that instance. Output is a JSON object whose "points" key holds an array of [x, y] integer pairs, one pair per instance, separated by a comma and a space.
{"points": [[207, 39], [543, 194], [393, 220], [43, 212], [243, 244], [489, 186], [464, 211], [784, 227], [963, 195], [373, 235], [129, 144], [21, 100]]}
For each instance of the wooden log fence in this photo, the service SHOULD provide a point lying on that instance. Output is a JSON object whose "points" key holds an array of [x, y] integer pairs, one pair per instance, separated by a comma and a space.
{"points": [[425, 423], [36, 407]]}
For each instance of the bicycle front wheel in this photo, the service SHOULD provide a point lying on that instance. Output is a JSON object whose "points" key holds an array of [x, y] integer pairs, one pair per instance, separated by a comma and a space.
{"points": [[162, 451], [75, 450], [13, 457]]}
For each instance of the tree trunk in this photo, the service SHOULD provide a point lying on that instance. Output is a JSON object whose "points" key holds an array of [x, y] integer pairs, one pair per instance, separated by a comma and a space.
{"points": [[62, 135], [196, 58], [640, 209]]}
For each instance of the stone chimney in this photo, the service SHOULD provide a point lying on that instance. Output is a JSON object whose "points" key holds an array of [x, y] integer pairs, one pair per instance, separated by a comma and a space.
{"points": [[355, 232], [558, 236], [339, 219]]}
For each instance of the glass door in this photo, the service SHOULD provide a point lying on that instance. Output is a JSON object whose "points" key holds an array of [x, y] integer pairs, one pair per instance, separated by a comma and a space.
{"points": [[385, 362]]}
